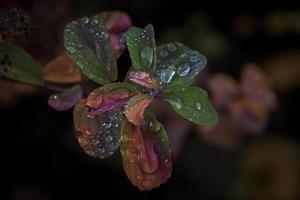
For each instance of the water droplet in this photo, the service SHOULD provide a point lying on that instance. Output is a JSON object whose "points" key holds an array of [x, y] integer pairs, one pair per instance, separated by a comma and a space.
{"points": [[163, 53], [154, 126], [79, 45], [167, 74], [183, 69], [195, 59], [198, 106], [108, 125], [147, 54], [101, 150], [167, 162], [90, 115], [71, 49], [85, 20], [176, 102], [74, 22], [172, 47], [108, 139], [91, 30]]}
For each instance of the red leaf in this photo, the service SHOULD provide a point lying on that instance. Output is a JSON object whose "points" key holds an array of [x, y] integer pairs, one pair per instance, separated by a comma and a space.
{"points": [[147, 158], [135, 108], [109, 97], [144, 79]]}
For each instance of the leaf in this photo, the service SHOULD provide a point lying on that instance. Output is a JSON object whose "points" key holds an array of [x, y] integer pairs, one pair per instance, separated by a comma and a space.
{"points": [[18, 65], [177, 64], [90, 46], [143, 78], [146, 153], [134, 110], [65, 100], [61, 70], [99, 136], [141, 46], [117, 23], [192, 103], [109, 97]]}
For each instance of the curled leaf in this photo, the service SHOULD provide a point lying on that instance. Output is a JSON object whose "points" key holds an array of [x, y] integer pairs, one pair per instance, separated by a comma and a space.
{"points": [[61, 70], [177, 64], [90, 46], [109, 97], [146, 153], [117, 23], [134, 110], [17, 64], [65, 100], [144, 79], [99, 135], [193, 104], [142, 49]]}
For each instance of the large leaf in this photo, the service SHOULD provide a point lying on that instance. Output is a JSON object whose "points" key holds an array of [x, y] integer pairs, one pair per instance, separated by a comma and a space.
{"points": [[146, 154], [18, 65], [109, 97], [99, 135], [65, 100], [117, 23], [90, 46], [141, 46], [193, 104], [177, 64]]}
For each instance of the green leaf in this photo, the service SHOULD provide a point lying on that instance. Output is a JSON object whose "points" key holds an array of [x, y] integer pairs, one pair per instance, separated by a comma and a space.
{"points": [[90, 46], [18, 65], [193, 104], [177, 64], [146, 153], [99, 135], [141, 46]]}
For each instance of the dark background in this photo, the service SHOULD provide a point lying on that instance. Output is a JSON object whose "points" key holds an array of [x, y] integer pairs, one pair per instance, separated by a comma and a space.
{"points": [[41, 158]]}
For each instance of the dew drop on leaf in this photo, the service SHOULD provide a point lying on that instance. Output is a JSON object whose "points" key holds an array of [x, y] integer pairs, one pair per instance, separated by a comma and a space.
{"points": [[183, 69], [166, 74]]}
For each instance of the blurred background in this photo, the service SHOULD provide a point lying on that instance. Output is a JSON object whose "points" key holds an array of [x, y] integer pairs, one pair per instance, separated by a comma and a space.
{"points": [[253, 51]]}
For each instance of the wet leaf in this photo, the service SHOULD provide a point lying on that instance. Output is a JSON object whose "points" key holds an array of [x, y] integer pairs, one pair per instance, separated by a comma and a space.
{"points": [[177, 64], [99, 136], [17, 64], [134, 110], [117, 23], [193, 104], [146, 153], [90, 46], [61, 70], [144, 79], [141, 46], [109, 97], [65, 100]]}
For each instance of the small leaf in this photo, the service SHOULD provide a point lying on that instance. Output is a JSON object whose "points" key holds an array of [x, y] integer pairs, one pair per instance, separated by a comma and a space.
{"points": [[144, 79], [117, 23], [134, 110], [61, 70], [90, 46], [177, 64], [146, 153], [18, 65], [65, 100], [109, 97], [141, 46], [100, 135], [193, 104]]}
